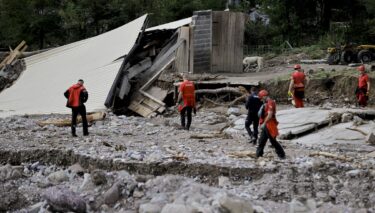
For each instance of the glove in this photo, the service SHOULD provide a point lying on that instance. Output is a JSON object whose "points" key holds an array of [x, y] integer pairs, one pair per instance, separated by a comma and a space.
{"points": [[290, 93]]}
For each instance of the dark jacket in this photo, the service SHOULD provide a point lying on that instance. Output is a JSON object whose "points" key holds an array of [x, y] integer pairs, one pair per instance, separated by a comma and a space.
{"points": [[83, 97], [253, 104]]}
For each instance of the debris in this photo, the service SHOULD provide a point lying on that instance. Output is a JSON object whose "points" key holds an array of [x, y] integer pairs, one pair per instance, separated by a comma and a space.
{"points": [[62, 199], [113, 194], [242, 154], [330, 155], [58, 177], [98, 177], [14, 54], [96, 116], [357, 130]]}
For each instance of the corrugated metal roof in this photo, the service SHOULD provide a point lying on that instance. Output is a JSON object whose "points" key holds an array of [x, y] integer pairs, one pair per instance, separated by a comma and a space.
{"points": [[40, 88], [171, 25]]}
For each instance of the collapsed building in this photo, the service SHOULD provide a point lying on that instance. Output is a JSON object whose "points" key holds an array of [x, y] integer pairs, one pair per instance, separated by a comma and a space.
{"points": [[131, 67]]}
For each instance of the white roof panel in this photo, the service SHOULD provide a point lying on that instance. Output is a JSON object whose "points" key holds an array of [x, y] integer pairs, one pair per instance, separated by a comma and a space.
{"points": [[171, 25], [40, 88]]}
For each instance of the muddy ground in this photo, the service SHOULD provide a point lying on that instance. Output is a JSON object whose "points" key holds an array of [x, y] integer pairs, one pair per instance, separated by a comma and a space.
{"points": [[134, 164]]}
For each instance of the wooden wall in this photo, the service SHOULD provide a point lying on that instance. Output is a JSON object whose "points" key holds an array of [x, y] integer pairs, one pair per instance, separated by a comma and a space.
{"points": [[227, 41]]}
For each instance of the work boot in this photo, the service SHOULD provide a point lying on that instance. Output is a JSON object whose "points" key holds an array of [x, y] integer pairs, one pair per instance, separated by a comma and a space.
{"points": [[74, 131], [86, 134]]}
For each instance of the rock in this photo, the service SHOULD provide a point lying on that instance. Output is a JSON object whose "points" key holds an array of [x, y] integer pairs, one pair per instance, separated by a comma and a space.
{"points": [[180, 208], [353, 173], [331, 180], [297, 206], [346, 117], [35, 208], [62, 199], [370, 138], [150, 208], [87, 183], [5, 172], [332, 193], [98, 177], [76, 169], [357, 121], [113, 194], [58, 177], [224, 181], [138, 194], [233, 111], [235, 205]]}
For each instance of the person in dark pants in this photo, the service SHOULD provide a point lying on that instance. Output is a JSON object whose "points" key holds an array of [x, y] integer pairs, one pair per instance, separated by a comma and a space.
{"points": [[363, 88], [253, 104], [268, 126], [187, 94], [77, 95]]}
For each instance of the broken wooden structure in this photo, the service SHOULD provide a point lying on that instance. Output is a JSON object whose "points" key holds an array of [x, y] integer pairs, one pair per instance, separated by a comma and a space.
{"points": [[14, 54], [212, 43]]}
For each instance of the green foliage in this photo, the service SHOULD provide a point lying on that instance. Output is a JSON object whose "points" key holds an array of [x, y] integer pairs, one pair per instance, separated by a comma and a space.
{"points": [[48, 23]]}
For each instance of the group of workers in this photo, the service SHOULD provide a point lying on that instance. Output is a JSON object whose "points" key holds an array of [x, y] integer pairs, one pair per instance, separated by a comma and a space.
{"points": [[261, 108]]}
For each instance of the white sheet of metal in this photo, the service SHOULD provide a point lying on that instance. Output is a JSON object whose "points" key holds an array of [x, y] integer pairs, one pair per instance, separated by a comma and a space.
{"points": [[171, 25], [40, 88]]}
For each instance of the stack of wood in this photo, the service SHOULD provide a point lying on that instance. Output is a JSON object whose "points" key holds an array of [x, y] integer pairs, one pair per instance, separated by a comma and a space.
{"points": [[14, 54]]}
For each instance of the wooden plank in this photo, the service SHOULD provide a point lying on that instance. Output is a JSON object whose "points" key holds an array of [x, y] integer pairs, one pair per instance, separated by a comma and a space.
{"points": [[182, 54], [14, 54], [227, 51]]}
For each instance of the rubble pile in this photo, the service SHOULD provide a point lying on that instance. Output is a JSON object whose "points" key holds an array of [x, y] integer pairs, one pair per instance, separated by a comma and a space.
{"points": [[151, 165]]}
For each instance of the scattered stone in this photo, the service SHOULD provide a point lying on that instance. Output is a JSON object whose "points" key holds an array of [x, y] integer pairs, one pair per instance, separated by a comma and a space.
{"points": [[58, 177], [87, 183], [235, 205], [76, 169], [113, 194], [353, 173], [346, 117], [224, 181], [370, 138], [150, 208], [62, 199], [234, 111], [98, 177], [180, 208], [357, 121]]}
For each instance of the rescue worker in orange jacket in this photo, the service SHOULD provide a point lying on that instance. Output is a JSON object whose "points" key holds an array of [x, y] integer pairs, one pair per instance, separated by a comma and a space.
{"points": [[297, 86], [268, 122], [187, 94], [363, 88], [77, 95]]}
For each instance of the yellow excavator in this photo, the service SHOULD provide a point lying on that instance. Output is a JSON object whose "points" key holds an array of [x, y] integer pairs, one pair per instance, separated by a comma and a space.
{"points": [[351, 53]]}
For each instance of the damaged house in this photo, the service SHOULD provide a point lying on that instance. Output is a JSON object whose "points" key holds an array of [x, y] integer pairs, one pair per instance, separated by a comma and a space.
{"points": [[131, 67]]}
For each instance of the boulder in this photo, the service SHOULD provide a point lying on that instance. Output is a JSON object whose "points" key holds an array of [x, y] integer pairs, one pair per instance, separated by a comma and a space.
{"points": [[180, 208], [370, 138], [76, 169], [233, 205], [64, 200], [113, 194], [150, 208], [98, 177], [58, 177], [233, 111], [346, 117]]}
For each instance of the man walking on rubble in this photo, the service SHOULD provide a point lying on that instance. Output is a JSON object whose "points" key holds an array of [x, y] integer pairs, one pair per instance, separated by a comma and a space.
{"points": [[77, 95], [297, 86], [268, 124], [363, 88], [187, 94], [253, 104]]}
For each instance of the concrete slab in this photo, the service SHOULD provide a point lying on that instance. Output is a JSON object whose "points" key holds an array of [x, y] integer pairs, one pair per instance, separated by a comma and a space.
{"points": [[337, 134]]}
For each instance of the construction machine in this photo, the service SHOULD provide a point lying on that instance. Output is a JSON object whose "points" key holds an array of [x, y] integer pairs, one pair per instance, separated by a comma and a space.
{"points": [[351, 53]]}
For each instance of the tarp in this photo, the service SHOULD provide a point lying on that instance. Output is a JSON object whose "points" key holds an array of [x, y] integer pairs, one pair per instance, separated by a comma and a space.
{"points": [[171, 25], [40, 88]]}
